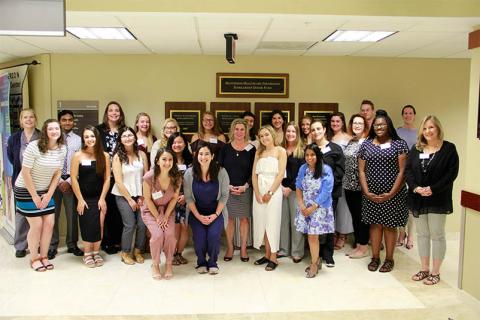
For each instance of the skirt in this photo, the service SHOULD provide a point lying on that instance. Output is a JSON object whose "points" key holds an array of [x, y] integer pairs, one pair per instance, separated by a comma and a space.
{"points": [[240, 206], [25, 205], [90, 221]]}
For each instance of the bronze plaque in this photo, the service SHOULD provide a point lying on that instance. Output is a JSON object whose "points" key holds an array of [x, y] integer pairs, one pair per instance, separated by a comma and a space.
{"points": [[188, 120]]}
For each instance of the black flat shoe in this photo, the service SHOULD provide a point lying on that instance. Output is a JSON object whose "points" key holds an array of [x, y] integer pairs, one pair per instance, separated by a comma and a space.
{"points": [[227, 258], [76, 251], [51, 254], [246, 259], [20, 253], [261, 261]]}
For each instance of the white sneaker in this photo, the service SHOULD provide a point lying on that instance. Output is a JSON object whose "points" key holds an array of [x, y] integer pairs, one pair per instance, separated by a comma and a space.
{"points": [[213, 270], [201, 270]]}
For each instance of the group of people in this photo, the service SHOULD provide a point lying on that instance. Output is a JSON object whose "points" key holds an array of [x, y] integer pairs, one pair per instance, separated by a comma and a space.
{"points": [[286, 182]]}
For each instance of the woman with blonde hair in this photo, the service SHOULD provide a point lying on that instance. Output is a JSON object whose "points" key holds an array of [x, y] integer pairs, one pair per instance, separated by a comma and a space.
{"points": [[209, 131], [292, 242], [237, 159], [16, 145], [432, 167], [143, 129], [267, 174], [170, 125]]}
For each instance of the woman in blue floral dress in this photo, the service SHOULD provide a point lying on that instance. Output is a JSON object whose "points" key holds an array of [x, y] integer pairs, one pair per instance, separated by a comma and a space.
{"points": [[314, 196]]}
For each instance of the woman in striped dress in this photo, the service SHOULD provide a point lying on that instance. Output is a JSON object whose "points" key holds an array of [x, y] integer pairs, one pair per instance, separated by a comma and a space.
{"points": [[42, 163]]}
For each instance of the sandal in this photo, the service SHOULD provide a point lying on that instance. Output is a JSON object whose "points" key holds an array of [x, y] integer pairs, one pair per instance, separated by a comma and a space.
{"points": [[420, 275], [340, 243], [181, 259], [176, 260], [98, 259], [387, 266], [261, 261], [432, 279], [40, 268], [271, 266], [374, 264], [168, 275], [319, 264], [47, 265], [88, 260], [156, 275], [312, 274], [401, 239]]}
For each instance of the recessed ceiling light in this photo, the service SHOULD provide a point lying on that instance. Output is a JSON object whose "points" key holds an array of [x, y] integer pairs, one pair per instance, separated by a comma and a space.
{"points": [[359, 36], [101, 33]]}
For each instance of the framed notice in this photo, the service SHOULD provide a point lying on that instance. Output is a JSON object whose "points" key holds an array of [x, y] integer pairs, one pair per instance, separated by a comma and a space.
{"points": [[85, 112], [187, 115], [263, 110], [226, 112], [252, 85], [318, 110]]}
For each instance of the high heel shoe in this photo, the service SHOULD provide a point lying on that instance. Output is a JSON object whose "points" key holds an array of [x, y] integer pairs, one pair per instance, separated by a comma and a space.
{"points": [[156, 275]]}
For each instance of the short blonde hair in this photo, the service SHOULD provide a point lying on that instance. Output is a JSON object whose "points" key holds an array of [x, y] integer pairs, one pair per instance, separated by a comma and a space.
{"points": [[421, 141], [25, 111], [164, 139], [270, 129], [232, 129]]}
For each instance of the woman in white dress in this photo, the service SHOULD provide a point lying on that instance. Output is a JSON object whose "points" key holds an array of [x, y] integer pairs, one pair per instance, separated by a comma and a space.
{"points": [[268, 172]]}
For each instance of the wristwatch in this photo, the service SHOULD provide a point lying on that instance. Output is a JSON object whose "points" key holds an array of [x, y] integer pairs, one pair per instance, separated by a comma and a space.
{"points": [[270, 193]]}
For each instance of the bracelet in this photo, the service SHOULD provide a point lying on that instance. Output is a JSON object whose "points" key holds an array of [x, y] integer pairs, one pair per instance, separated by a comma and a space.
{"points": [[270, 193], [217, 214]]}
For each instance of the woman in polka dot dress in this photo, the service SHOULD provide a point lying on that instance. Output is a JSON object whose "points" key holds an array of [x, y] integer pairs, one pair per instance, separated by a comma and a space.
{"points": [[382, 160]]}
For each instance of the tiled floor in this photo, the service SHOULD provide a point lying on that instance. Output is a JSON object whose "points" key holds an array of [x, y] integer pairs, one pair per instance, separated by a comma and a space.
{"points": [[242, 290]]}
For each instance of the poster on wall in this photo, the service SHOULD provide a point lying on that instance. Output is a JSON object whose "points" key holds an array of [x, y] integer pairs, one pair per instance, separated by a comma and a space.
{"points": [[13, 101]]}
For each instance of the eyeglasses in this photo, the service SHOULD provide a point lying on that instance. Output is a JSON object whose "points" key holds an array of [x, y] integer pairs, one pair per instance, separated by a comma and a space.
{"points": [[127, 136], [171, 128], [358, 123], [378, 126]]}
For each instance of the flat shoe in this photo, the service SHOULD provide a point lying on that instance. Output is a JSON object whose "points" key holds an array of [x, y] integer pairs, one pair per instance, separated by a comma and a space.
{"points": [[271, 266], [261, 261], [359, 256]]}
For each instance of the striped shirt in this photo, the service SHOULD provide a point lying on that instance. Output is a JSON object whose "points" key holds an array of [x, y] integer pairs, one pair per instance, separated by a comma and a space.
{"points": [[43, 166]]}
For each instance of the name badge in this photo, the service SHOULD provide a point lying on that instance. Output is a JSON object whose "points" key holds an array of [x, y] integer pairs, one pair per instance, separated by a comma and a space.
{"points": [[248, 147], [157, 195], [385, 145], [424, 156], [213, 140], [86, 162], [326, 150], [182, 167], [140, 142]]}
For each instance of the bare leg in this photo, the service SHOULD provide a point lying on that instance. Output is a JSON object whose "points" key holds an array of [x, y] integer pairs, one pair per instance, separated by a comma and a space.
{"points": [[229, 233], [437, 263], [314, 245], [46, 237], [244, 228], [376, 239], [33, 237], [390, 235]]}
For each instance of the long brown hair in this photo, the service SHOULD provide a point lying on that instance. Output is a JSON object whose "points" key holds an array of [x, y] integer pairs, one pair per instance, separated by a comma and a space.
{"points": [[97, 149], [216, 129], [43, 141], [298, 151], [120, 148], [350, 126], [174, 174], [121, 121]]}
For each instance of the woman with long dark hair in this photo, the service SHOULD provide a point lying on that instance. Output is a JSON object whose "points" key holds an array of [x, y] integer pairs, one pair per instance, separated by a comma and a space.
{"points": [[179, 145], [161, 186], [314, 196], [113, 121], [129, 166], [90, 172], [278, 122], [41, 169], [381, 164], [206, 192]]}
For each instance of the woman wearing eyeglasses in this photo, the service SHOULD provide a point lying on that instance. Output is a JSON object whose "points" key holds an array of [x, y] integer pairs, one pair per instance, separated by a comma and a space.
{"points": [[381, 164], [209, 132], [170, 126]]}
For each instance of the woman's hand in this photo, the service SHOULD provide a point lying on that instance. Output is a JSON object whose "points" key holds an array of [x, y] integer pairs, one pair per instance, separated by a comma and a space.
{"points": [[102, 206], [82, 205], [258, 198], [164, 223], [266, 197], [384, 197], [371, 196], [423, 191], [45, 200], [140, 201], [38, 201], [181, 200], [133, 204]]}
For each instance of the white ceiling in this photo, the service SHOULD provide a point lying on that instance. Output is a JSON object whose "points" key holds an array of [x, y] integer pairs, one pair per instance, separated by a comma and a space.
{"points": [[259, 34]]}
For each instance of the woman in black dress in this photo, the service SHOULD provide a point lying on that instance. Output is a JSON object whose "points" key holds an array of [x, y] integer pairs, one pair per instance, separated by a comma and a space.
{"points": [[90, 171]]}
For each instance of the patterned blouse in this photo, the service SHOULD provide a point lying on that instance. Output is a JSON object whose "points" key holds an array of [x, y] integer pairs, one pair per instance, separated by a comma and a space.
{"points": [[350, 179]]}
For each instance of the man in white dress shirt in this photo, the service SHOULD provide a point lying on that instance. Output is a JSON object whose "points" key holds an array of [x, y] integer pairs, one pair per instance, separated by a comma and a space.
{"points": [[64, 190]]}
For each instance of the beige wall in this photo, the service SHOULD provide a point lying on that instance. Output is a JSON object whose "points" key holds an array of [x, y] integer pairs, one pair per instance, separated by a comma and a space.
{"points": [[144, 83], [471, 261]]}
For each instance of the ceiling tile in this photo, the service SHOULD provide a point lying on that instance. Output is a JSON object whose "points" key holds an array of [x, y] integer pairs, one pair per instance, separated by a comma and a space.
{"points": [[307, 23], [296, 35], [336, 48], [68, 44], [379, 23], [6, 57], [446, 25], [117, 46], [441, 49], [213, 41], [266, 52], [92, 19], [12, 46], [232, 22]]}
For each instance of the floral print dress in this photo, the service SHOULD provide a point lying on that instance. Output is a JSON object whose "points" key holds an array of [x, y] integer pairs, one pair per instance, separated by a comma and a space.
{"points": [[321, 221]]}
